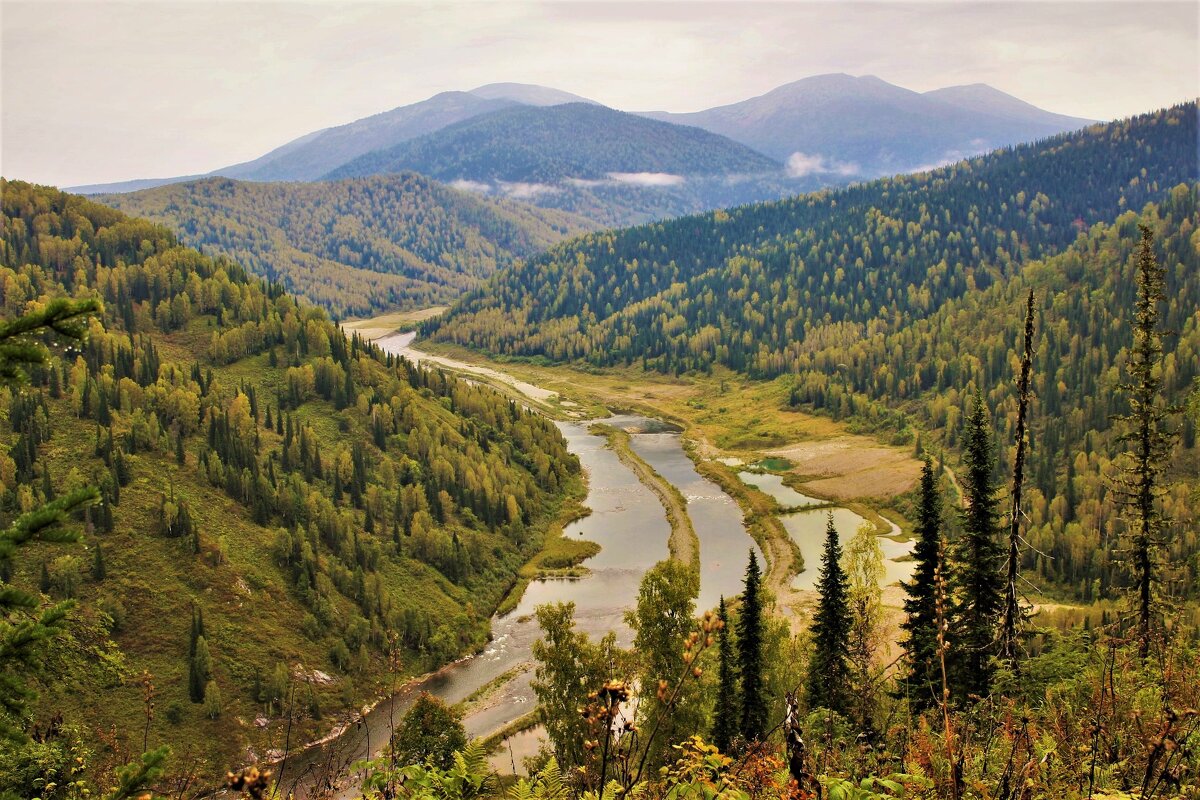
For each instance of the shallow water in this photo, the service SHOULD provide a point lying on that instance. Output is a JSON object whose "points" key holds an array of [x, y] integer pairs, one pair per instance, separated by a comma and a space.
{"points": [[724, 544], [772, 484]]}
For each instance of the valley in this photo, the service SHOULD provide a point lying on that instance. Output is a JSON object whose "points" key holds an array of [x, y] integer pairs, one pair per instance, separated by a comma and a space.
{"points": [[629, 517]]}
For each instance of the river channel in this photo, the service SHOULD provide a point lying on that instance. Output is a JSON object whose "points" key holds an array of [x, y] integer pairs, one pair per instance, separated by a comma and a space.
{"points": [[627, 521]]}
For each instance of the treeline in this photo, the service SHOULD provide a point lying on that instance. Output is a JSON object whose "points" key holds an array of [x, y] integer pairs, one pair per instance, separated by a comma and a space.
{"points": [[356, 246], [365, 514]]}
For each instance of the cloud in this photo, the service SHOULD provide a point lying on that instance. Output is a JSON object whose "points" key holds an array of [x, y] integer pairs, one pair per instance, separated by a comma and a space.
{"points": [[519, 190], [800, 165], [470, 186], [588, 183], [646, 178]]}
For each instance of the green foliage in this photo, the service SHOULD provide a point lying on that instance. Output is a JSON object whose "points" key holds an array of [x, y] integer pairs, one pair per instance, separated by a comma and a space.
{"points": [[446, 486], [430, 733], [569, 668], [920, 681], [466, 779], [752, 724], [663, 619], [828, 677], [358, 246], [726, 708]]}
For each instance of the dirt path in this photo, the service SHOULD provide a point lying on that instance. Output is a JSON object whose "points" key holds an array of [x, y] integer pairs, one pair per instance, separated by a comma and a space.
{"points": [[683, 544]]}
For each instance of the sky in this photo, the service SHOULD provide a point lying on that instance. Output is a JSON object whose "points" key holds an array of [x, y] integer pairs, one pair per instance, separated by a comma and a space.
{"points": [[97, 91]]}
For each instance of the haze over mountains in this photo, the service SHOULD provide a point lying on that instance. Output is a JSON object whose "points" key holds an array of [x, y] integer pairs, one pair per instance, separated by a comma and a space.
{"points": [[865, 127], [552, 147]]}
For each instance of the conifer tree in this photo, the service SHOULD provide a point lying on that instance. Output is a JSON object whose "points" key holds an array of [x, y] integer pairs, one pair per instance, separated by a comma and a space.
{"points": [[828, 669], [200, 670], [753, 723], [726, 711], [921, 679], [1139, 483], [99, 572], [978, 581]]}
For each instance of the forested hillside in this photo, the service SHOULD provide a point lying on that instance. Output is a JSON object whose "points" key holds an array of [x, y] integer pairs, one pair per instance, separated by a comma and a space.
{"points": [[758, 288], [550, 144], [930, 369], [356, 246], [892, 302], [287, 514]]}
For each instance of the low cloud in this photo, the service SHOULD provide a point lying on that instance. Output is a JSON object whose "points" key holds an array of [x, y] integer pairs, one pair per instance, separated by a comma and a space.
{"points": [[589, 183], [646, 178], [800, 165], [519, 190], [470, 186]]}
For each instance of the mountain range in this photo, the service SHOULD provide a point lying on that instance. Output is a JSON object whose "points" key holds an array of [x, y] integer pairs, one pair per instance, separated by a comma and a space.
{"points": [[865, 127], [559, 149]]}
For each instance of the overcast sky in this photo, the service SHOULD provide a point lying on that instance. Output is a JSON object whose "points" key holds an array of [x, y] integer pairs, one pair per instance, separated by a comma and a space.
{"points": [[106, 91]]}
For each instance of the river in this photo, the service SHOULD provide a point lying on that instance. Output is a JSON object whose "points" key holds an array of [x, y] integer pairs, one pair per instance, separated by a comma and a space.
{"points": [[629, 524]]}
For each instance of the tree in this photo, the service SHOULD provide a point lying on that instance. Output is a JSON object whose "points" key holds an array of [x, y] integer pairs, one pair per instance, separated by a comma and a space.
{"points": [[99, 572], [921, 678], [24, 628], [863, 565], [200, 671], [753, 725], [1012, 613], [662, 620], [569, 668], [430, 732], [726, 711], [828, 669], [1139, 484], [978, 580], [212, 700]]}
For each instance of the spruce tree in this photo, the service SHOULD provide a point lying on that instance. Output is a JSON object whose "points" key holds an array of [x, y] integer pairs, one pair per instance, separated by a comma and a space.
{"points": [[978, 582], [726, 712], [829, 669], [753, 723], [1139, 483], [922, 678]]}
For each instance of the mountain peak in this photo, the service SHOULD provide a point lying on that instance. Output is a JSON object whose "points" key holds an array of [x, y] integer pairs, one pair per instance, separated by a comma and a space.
{"points": [[528, 94]]}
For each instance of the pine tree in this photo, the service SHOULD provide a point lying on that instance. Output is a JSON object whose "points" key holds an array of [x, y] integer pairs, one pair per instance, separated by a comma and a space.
{"points": [[1139, 484], [753, 724], [828, 669], [978, 581], [726, 711], [920, 683]]}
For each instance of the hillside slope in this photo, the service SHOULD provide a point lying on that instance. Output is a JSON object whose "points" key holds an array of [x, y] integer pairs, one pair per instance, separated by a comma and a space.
{"points": [[757, 288], [319, 512], [867, 127], [357, 246]]}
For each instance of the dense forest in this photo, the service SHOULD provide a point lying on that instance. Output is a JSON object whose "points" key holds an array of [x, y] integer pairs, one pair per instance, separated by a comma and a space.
{"points": [[285, 514], [757, 288], [355, 247], [883, 309]]}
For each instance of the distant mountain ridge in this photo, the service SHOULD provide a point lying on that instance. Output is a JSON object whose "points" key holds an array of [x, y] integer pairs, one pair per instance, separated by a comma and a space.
{"points": [[865, 127], [843, 128], [573, 141]]}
